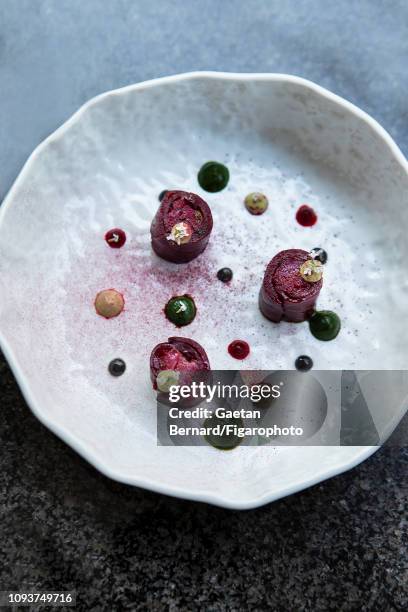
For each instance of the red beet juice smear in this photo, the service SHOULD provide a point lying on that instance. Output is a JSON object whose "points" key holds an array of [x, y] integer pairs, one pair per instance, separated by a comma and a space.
{"points": [[306, 216], [239, 349]]}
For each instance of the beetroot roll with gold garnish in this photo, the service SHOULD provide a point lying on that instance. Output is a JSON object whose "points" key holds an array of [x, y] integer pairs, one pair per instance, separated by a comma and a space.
{"points": [[182, 226], [178, 361], [291, 285]]}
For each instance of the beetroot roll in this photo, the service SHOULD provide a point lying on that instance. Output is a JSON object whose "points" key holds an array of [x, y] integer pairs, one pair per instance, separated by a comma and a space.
{"points": [[178, 361], [291, 285], [182, 226]]}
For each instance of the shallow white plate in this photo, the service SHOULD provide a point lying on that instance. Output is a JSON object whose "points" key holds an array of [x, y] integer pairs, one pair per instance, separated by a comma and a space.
{"points": [[104, 168]]}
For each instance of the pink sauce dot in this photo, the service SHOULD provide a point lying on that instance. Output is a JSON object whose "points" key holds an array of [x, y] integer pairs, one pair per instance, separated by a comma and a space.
{"points": [[239, 349], [306, 216], [115, 238]]}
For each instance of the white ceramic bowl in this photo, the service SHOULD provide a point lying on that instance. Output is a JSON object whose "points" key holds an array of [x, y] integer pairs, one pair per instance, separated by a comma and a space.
{"points": [[104, 168]]}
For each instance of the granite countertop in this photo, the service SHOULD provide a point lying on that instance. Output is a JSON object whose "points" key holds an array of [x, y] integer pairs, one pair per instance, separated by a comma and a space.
{"points": [[341, 545]]}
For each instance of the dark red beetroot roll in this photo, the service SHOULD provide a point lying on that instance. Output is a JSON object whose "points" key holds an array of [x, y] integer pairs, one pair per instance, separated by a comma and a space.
{"points": [[178, 355], [284, 293], [182, 226]]}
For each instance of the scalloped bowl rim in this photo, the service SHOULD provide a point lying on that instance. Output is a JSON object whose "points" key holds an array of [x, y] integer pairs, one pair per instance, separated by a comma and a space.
{"points": [[157, 486]]}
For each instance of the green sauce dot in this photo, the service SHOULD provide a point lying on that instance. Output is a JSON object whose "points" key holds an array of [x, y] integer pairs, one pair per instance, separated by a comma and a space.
{"points": [[324, 324], [180, 310], [226, 441], [213, 176]]}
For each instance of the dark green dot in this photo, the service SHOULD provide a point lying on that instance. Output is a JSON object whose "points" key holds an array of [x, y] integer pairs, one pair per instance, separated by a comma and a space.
{"points": [[162, 194], [223, 441], [324, 324], [213, 176], [181, 310]]}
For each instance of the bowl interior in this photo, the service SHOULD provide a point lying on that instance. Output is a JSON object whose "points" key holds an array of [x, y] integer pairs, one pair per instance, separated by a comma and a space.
{"points": [[105, 169]]}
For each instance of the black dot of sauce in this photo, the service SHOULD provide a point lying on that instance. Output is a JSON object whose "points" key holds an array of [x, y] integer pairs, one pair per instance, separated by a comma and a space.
{"points": [[117, 367], [304, 363]]}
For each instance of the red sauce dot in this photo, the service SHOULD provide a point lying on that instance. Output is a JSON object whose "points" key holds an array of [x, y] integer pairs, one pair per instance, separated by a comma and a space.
{"points": [[239, 349], [306, 216], [115, 238]]}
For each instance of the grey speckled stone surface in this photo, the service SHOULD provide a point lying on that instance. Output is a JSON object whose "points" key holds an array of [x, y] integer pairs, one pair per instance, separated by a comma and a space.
{"points": [[341, 545]]}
